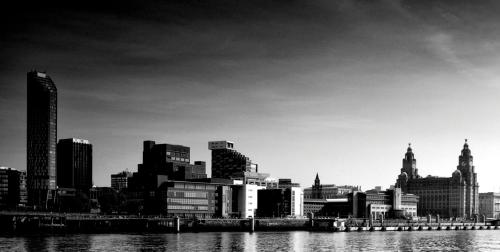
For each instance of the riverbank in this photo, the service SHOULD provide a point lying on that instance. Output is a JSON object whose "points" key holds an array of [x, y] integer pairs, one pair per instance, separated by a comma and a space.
{"points": [[20, 223]]}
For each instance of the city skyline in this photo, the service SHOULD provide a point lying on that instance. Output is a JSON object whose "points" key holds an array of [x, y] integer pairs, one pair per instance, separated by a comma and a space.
{"points": [[296, 90]]}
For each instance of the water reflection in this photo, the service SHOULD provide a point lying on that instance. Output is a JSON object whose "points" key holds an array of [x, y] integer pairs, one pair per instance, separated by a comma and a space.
{"points": [[298, 240], [36, 243], [479, 240]]}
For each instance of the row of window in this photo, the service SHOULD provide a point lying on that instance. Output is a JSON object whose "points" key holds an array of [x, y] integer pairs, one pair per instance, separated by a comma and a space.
{"points": [[177, 154], [178, 159], [188, 201], [381, 207], [183, 207], [194, 186], [178, 194]]}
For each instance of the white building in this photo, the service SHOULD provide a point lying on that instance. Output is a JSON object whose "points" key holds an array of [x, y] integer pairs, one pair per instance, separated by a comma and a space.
{"points": [[297, 202], [247, 200]]}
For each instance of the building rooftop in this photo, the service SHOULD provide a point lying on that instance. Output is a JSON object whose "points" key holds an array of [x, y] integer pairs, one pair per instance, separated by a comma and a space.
{"points": [[337, 200], [8, 168], [75, 140], [217, 145]]}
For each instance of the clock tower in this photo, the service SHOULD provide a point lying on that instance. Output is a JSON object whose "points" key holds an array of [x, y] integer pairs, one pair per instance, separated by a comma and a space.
{"points": [[466, 167], [410, 164], [317, 188], [409, 171]]}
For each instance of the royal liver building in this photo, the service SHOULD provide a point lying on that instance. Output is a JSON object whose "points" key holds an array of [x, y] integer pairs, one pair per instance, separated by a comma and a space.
{"points": [[455, 196]]}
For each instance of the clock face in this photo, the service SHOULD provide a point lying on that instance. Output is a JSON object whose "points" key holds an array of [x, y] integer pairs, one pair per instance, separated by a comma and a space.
{"points": [[464, 163]]}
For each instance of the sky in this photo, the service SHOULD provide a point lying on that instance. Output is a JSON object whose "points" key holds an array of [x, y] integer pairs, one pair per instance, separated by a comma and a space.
{"points": [[337, 88]]}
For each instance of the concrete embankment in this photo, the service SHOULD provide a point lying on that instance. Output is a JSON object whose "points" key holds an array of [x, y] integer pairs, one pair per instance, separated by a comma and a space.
{"points": [[247, 225], [21, 223]]}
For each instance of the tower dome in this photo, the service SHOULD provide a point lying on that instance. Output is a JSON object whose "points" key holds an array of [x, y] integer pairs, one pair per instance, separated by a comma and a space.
{"points": [[409, 153], [456, 176], [466, 150]]}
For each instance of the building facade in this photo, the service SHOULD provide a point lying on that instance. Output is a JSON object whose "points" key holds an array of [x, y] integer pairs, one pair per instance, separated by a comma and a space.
{"points": [[285, 201], [314, 206], [74, 164], [455, 196], [245, 200], [328, 191], [119, 181], [194, 199], [489, 205], [13, 192], [376, 204], [224, 201], [392, 203], [162, 162], [41, 138]]}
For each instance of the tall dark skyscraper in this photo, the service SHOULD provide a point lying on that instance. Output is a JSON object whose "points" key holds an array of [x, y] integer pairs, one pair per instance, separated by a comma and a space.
{"points": [[74, 164], [41, 138]]}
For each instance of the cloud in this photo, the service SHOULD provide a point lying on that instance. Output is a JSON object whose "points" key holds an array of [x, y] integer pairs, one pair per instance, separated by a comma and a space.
{"points": [[445, 47], [286, 70]]}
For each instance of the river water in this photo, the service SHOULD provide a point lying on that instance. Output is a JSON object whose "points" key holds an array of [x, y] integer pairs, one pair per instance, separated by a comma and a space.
{"points": [[471, 240]]}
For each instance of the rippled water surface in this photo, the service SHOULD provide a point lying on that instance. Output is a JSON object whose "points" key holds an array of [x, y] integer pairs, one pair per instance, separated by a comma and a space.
{"points": [[479, 240]]}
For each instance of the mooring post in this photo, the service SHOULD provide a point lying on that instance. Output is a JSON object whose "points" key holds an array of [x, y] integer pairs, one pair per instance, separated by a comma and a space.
{"points": [[438, 220], [14, 223], [311, 220], [252, 224], [177, 224], [370, 220]]}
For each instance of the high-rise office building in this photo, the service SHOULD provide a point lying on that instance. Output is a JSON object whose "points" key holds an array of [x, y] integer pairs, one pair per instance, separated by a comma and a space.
{"points": [[41, 138], [455, 196], [119, 181], [228, 163], [74, 164], [163, 162]]}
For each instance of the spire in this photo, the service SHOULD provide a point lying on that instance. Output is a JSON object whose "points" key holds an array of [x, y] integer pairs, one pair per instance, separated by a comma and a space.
{"points": [[316, 181], [409, 148]]}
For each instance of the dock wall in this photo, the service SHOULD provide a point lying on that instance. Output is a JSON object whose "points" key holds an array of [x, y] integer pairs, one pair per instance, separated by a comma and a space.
{"points": [[85, 223]]}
